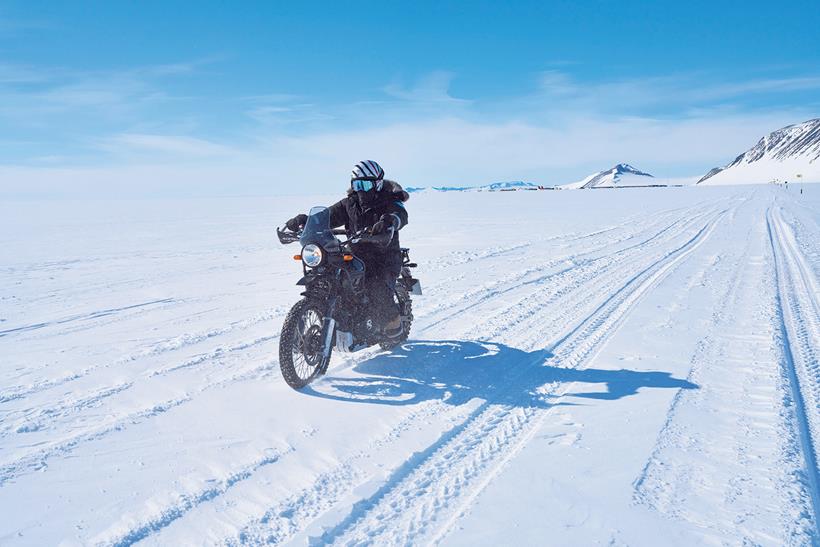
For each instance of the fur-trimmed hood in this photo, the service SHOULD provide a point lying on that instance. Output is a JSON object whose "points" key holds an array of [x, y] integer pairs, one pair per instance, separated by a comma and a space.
{"points": [[395, 188]]}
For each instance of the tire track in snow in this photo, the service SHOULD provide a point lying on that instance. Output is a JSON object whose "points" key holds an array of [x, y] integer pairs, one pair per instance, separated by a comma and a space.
{"points": [[156, 349], [704, 352], [458, 258], [513, 280], [285, 519], [591, 281], [583, 295], [29, 419], [280, 520], [735, 478], [440, 483], [572, 288], [508, 284], [33, 420], [90, 316], [38, 459], [217, 353], [798, 321], [133, 529]]}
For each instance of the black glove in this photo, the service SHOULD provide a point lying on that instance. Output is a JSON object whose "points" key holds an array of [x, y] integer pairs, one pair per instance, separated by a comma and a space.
{"points": [[385, 222], [296, 223]]}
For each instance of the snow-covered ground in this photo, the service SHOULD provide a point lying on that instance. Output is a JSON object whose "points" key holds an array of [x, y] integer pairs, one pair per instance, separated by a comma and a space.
{"points": [[766, 170], [625, 368]]}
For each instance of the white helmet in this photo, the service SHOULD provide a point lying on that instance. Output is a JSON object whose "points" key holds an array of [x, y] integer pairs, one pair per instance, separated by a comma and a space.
{"points": [[368, 170]]}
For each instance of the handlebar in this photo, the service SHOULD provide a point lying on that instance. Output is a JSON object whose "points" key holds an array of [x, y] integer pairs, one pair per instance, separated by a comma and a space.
{"points": [[286, 237], [382, 239]]}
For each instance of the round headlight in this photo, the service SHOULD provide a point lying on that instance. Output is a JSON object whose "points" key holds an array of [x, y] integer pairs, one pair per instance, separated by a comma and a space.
{"points": [[311, 255]]}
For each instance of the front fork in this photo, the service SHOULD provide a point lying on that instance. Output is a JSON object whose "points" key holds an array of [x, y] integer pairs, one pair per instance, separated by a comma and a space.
{"points": [[328, 326]]}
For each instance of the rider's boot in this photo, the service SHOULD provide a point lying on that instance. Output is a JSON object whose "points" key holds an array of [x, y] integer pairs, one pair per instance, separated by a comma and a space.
{"points": [[393, 328]]}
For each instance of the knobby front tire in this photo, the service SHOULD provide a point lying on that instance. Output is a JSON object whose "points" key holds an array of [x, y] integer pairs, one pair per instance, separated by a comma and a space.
{"points": [[300, 346]]}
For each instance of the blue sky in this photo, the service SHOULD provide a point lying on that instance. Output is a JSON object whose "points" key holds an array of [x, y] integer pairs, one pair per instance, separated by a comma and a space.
{"points": [[216, 97]]}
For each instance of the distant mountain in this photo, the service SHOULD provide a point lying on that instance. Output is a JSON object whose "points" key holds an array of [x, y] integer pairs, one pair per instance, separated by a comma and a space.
{"points": [[788, 154], [492, 187], [621, 175]]}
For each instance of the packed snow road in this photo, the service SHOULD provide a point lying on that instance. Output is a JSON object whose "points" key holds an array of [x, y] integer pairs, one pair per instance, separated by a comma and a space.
{"points": [[586, 367]]}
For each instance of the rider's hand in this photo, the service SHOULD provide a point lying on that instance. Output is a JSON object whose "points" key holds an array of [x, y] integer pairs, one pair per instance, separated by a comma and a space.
{"points": [[296, 223], [385, 222]]}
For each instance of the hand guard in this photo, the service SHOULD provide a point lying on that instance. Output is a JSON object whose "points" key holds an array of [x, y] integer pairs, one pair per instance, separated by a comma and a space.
{"points": [[296, 223]]}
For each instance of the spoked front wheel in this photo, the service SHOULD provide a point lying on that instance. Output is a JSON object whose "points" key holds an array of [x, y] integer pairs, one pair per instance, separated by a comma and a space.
{"points": [[300, 346]]}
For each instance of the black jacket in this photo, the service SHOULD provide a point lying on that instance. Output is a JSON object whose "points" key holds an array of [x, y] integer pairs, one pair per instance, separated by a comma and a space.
{"points": [[349, 213]]}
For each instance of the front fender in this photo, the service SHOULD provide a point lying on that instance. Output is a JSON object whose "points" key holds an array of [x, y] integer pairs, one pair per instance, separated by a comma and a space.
{"points": [[316, 286], [309, 277]]}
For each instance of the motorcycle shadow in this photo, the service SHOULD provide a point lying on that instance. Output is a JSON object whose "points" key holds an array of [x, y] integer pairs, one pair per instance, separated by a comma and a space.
{"points": [[455, 371]]}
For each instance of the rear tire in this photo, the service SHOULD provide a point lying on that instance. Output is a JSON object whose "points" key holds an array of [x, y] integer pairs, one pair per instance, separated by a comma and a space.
{"points": [[405, 304], [300, 345]]}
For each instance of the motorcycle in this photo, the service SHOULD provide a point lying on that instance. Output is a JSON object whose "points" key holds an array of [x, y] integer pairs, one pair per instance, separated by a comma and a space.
{"points": [[335, 310]]}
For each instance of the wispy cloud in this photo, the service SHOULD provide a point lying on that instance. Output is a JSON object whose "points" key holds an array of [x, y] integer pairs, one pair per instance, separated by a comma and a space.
{"points": [[29, 93], [432, 88], [14, 26], [674, 94], [759, 86], [558, 131], [179, 68], [60, 112], [281, 114], [179, 147], [22, 74]]}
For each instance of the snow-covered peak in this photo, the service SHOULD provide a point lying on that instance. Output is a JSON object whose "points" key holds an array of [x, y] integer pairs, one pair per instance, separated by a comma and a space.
{"points": [[492, 187], [508, 185], [801, 139], [790, 153], [622, 168], [622, 174]]}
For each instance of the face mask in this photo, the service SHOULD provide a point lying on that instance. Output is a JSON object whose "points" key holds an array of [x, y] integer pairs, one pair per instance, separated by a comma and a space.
{"points": [[366, 198]]}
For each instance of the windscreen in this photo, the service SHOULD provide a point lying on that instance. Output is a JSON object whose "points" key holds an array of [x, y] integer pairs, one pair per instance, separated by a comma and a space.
{"points": [[317, 229]]}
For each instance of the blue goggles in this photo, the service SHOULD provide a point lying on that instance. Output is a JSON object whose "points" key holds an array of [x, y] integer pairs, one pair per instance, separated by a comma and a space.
{"points": [[362, 185]]}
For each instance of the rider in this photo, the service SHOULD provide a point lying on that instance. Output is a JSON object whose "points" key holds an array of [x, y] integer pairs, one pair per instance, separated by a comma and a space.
{"points": [[376, 204]]}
